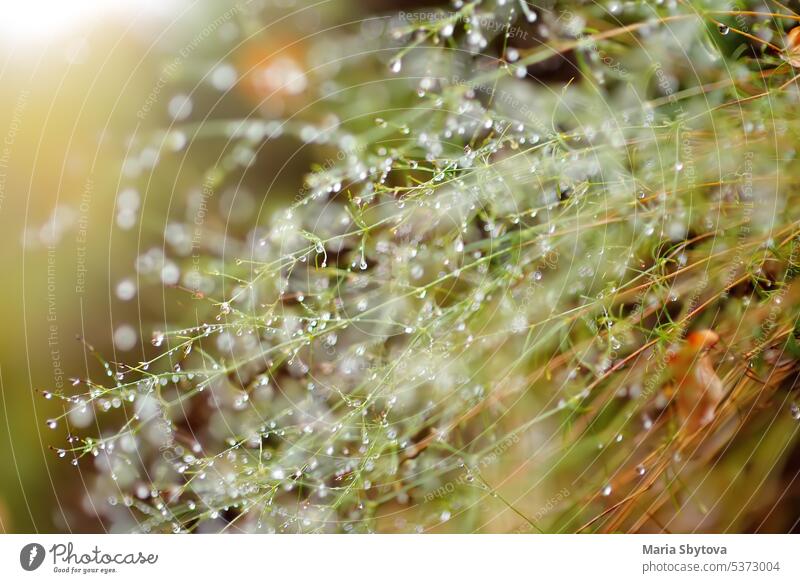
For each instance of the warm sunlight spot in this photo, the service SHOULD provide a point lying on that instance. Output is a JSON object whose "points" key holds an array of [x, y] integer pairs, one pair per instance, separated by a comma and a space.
{"points": [[43, 20]]}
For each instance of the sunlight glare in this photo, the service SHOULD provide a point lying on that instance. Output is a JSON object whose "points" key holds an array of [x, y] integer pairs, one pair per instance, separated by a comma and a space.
{"points": [[42, 20]]}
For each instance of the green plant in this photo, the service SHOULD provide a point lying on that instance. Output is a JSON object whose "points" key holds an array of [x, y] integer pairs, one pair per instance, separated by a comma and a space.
{"points": [[462, 320]]}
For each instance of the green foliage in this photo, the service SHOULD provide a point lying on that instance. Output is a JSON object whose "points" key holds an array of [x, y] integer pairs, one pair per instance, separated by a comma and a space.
{"points": [[461, 322]]}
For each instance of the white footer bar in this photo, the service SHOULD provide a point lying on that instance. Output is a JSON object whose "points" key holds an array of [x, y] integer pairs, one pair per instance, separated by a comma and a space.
{"points": [[401, 558]]}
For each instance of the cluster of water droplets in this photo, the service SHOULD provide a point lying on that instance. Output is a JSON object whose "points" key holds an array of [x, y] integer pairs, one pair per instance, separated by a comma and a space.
{"points": [[345, 333]]}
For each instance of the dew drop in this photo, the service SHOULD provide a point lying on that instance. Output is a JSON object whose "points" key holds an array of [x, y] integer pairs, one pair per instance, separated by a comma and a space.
{"points": [[180, 107], [126, 290]]}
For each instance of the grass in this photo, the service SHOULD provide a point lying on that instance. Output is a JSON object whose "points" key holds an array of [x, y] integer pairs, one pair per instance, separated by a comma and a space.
{"points": [[461, 322]]}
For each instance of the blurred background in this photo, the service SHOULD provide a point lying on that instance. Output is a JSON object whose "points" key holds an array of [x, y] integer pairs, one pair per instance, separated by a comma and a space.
{"points": [[82, 81], [73, 76]]}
